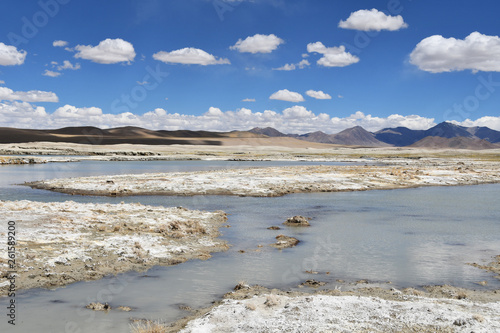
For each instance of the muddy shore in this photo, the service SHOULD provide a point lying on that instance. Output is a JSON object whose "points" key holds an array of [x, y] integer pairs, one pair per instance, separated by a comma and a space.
{"points": [[60, 243]]}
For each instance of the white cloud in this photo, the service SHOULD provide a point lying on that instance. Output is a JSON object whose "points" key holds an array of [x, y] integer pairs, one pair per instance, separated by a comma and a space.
{"points": [[68, 65], [290, 67], [487, 121], [109, 51], [69, 111], [10, 56], [367, 20], [22, 115], [286, 67], [7, 94], [51, 73], [213, 112], [258, 44], [2, 82], [332, 56], [297, 111], [286, 95], [318, 94], [249, 100], [296, 119], [476, 52], [189, 56], [59, 43]]}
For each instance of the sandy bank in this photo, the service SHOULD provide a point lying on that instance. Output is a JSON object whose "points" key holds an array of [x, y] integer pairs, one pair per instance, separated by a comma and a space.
{"points": [[277, 181], [60, 243]]}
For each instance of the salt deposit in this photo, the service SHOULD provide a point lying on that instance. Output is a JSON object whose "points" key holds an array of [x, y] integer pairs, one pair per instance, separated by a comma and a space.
{"points": [[63, 242]]}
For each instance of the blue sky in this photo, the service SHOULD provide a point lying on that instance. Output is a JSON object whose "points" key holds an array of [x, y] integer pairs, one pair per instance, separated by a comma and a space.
{"points": [[297, 65]]}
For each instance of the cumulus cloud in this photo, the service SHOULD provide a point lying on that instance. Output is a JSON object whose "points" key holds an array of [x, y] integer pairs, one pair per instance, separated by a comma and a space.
{"points": [[68, 65], [318, 94], [258, 44], [69, 111], [109, 51], [332, 56], [213, 112], [297, 112], [290, 67], [249, 100], [487, 121], [287, 95], [7, 94], [476, 52], [295, 119], [2, 82], [22, 115], [59, 43], [10, 56], [51, 73], [368, 20], [189, 56]]}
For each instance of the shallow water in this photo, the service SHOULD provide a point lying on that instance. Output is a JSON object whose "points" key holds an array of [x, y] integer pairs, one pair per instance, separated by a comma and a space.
{"points": [[411, 237]]}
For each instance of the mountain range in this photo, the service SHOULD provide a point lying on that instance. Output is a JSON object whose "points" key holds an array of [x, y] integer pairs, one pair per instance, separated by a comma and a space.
{"points": [[443, 135]]}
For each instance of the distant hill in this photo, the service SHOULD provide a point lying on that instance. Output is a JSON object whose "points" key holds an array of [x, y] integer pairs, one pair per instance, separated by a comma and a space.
{"points": [[458, 142], [268, 131], [448, 130], [402, 136], [399, 136], [358, 136], [355, 136], [119, 135], [485, 133], [317, 136]]}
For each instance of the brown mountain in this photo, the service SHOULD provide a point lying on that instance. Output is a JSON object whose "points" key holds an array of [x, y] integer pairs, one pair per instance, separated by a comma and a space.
{"points": [[267, 131], [119, 135], [355, 136], [358, 136]]}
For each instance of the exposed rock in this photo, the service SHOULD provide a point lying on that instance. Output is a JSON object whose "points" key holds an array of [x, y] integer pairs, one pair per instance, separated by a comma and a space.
{"points": [[274, 228], [297, 221], [124, 308], [283, 241], [98, 306], [493, 266], [313, 283]]}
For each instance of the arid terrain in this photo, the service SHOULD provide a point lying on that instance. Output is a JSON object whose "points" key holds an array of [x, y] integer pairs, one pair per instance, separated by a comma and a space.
{"points": [[66, 242]]}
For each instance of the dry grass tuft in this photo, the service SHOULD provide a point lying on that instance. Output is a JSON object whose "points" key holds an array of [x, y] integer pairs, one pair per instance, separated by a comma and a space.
{"points": [[148, 327], [241, 285]]}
